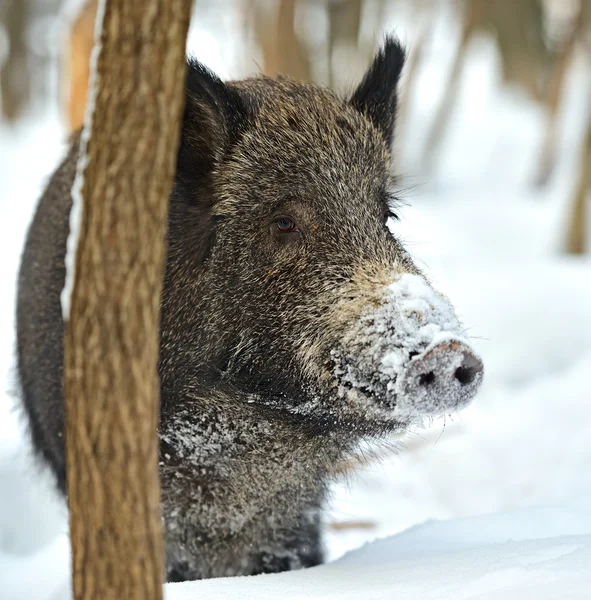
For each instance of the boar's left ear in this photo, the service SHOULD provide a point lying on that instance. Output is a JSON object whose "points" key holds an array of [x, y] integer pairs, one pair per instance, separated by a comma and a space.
{"points": [[376, 96], [215, 116]]}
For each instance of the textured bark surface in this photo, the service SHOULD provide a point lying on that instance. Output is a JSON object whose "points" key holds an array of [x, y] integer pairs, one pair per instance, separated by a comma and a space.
{"points": [[111, 344]]}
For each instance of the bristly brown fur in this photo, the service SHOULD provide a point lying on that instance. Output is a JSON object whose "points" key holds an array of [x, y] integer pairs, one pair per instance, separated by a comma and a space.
{"points": [[251, 428]]}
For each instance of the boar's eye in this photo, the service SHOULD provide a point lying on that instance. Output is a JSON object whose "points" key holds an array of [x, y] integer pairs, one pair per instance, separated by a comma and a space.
{"points": [[285, 230], [286, 225]]}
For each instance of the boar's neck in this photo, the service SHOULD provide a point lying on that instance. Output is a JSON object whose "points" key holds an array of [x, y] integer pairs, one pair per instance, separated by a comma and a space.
{"points": [[235, 480]]}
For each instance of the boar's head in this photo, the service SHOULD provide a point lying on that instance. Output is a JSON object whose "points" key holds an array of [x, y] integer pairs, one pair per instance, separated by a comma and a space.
{"points": [[284, 286]]}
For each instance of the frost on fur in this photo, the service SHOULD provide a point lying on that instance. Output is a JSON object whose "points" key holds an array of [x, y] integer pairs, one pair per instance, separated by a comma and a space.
{"points": [[408, 355]]}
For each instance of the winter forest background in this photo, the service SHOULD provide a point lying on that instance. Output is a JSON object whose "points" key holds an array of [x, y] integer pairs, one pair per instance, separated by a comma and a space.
{"points": [[494, 157]]}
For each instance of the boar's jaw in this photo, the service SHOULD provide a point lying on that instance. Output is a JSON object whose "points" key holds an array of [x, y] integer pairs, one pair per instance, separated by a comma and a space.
{"points": [[407, 359]]}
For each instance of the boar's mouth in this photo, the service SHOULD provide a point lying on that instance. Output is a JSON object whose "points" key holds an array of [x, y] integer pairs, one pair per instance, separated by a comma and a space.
{"points": [[402, 360], [407, 358], [352, 381]]}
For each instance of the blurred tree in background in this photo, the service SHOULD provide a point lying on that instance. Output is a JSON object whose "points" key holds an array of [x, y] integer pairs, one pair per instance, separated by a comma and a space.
{"points": [[14, 74], [330, 42], [80, 38], [25, 52]]}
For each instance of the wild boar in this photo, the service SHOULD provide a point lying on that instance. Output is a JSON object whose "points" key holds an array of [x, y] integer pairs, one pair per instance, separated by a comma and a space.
{"points": [[294, 325]]}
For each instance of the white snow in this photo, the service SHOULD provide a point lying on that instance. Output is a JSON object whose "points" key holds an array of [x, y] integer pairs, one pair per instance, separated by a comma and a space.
{"points": [[490, 243], [77, 199], [539, 553], [411, 317]]}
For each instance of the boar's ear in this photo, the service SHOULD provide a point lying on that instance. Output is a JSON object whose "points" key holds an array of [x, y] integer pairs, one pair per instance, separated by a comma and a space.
{"points": [[376, 96], [215, 115]]}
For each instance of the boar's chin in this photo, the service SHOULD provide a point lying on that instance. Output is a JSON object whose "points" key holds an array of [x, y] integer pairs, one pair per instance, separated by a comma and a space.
{"points": [[406, 359]]}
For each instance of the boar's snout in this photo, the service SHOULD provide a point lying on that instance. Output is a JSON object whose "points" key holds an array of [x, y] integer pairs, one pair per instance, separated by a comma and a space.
{"points": [[406, 355], [444, 377]]}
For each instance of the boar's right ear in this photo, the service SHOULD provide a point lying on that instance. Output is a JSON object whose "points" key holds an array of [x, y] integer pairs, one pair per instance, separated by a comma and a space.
{"points": [[215, 115], [377, 95]]}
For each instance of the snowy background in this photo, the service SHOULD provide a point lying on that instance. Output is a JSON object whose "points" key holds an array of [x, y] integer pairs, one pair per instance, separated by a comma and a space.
{"points": [[510, 477]]}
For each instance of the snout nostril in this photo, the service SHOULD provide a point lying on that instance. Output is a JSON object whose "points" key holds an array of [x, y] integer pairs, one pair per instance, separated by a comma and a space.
{"points": [[427, 378], [465, 375], [443, 378], [467, 371]]}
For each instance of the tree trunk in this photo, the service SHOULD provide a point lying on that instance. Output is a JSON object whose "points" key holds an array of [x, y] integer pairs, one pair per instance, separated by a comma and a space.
{"points": [[283, 52], [578, 223], [559, 71], [111, 341], [344, 26], [447, 104], [77, 59], [15, 76]]}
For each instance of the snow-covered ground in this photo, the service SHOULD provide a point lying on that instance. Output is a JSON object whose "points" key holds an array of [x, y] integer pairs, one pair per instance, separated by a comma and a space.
{"points": [[508, 477], [514, 556]]}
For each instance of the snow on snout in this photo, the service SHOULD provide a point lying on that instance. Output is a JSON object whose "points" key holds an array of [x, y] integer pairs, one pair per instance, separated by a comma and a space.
{"points": [[408, 355]]}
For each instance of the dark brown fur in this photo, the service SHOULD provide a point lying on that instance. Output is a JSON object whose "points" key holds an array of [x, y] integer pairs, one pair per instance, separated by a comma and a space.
{"points": [[251, 425]]}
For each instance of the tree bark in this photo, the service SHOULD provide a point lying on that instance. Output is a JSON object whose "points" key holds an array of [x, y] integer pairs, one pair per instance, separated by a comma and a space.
{"points": [[111, 340]]}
